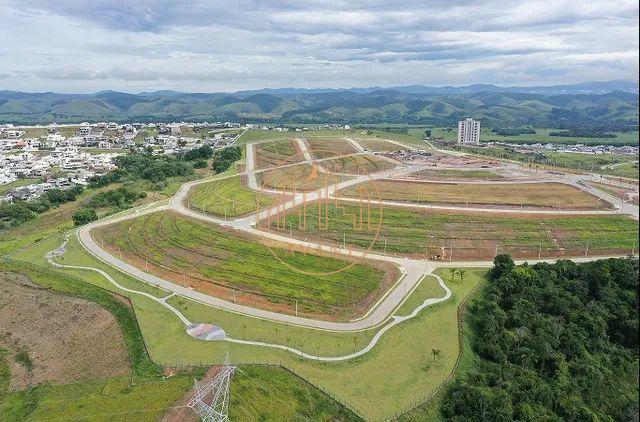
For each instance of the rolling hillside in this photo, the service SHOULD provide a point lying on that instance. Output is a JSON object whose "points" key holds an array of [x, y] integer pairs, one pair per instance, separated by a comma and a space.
{"points": [[496, 108]]}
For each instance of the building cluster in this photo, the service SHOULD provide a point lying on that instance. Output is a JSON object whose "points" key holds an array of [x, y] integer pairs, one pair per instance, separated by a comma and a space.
{"points": [[60, 156], [299, 128], [59, 168], [571, 148]]}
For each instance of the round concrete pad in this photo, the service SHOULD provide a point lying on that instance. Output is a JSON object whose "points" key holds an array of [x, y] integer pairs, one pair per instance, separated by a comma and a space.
{"points": [[203, 331]]}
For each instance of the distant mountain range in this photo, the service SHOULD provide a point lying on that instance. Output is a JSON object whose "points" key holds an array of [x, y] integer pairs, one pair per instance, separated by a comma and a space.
{"points": [[611, 104]]}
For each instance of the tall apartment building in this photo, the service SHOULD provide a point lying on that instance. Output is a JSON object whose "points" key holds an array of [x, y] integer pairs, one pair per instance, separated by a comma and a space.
{"points": [[469, 132]]}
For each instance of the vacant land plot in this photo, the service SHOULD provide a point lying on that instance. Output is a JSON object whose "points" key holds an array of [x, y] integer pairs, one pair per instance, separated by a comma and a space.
{"points": [[627, 170], [305, 177], [467, 235], [218, 262], [446, 174], [226, 197], [276, 153], [531, 195], [357, 164], [379, 145], [55, 338], [329, 147], [618, 192]]}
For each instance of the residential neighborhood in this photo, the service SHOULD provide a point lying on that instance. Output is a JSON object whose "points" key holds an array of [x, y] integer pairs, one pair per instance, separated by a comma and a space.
{"points": [[60, 156]]}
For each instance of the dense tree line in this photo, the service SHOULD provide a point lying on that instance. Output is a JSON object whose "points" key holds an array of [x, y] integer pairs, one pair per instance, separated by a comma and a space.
{"points": [[225, 157], [554, 342], [120, 198], [514, 131], [584, 133], [18, 212], [143, 166]]}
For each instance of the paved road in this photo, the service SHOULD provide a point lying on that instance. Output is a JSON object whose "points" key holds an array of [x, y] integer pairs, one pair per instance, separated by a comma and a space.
{"points": [[412, 270]]}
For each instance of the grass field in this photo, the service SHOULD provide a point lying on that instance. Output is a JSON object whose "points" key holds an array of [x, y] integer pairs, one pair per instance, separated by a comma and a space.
{"points": [[412, 137], [220, 263], [409, 376], [542, 136], [627, 170], [531, 195], [276, 153], [226, 197], [357, 164], [329, 147], [256, 135], [596, 163], [458, 175], [257, 393], [378, 145], [471, 235]]}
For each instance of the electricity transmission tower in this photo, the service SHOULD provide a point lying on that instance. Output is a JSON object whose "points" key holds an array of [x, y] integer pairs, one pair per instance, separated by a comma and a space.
{"points": [[211, 399]]}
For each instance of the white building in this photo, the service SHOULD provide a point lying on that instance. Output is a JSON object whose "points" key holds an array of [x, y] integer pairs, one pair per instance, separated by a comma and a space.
{"points": [[469, 132]]}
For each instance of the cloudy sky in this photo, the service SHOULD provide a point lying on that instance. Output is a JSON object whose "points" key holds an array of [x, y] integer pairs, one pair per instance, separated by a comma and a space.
{"points": [[205, 46]]}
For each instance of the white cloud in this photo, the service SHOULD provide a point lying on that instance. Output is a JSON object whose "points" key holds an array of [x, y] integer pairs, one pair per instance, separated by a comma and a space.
{"points": [[74, 46]]}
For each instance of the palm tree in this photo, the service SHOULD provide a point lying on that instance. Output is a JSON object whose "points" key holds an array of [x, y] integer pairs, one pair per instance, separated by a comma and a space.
{"points": [[461, 273], [453, 272]]}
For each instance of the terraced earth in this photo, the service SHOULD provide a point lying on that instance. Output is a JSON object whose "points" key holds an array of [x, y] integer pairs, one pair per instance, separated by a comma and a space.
{"points": [[467, 235], [224, 264], [304, 176], [534, 195], [226, 197], [276, 153], [329, 147], [357, 164]]}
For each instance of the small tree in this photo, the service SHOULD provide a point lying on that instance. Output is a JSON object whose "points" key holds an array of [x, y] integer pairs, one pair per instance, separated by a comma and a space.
{"points": [[435, 353], [502, 264], [452, 272], [84, 216]]}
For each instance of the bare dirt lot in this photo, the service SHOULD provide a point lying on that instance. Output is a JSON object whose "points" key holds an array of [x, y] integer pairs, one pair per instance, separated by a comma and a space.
{"points": [[55, 338]]}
